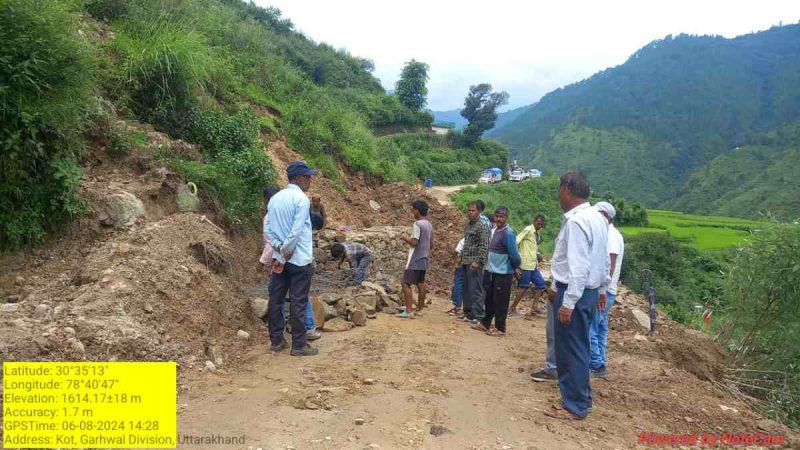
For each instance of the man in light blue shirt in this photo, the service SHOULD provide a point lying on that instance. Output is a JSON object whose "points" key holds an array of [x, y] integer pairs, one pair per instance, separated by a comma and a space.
{"points": [[288, 228]]}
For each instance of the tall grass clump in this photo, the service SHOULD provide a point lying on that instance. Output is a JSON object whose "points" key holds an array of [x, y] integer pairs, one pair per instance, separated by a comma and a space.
{"points": [[47, 87]]}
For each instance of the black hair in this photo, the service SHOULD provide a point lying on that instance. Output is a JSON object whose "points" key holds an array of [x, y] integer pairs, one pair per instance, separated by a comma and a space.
{"points": [[501, 210], [317, 221], [539, 216], [576, 183], [337, 250], [421, 206], [268, 193], [481, 206], [475, 204]]}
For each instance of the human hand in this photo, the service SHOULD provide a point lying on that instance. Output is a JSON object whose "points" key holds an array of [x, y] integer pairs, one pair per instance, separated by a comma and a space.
{"points": [[517, 274], [564, 315], [601, 302], [474, 266], [551, 296]]}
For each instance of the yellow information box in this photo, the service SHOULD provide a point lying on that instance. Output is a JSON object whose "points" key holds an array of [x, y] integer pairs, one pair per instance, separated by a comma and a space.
{"points": [[89, 404]]}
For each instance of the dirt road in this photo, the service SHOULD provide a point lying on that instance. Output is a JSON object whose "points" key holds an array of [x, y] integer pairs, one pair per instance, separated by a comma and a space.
{"points": [[401, 377], [443, 193]]}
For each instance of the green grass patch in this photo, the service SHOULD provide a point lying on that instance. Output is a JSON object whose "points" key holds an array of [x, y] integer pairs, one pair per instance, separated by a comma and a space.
{"points": [[702, 232]]}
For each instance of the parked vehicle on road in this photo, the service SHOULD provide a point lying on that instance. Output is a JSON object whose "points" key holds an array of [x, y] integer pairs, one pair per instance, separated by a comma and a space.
{"points": [[492, 175]]}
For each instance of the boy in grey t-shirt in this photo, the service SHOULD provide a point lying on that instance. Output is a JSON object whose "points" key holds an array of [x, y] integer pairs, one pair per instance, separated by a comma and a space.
{"points": [[421, 242]]}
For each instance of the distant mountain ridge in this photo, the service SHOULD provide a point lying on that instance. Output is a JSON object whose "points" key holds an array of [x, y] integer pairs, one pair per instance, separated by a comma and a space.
{"points": [[454, 116], [647, 127]]}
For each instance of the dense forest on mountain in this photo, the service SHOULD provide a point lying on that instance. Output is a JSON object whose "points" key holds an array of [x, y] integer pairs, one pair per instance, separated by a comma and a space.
{"points": [[675, 105]]}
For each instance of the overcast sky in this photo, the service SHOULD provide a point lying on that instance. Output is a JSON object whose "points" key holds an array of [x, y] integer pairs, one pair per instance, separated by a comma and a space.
{"points": [[526, 48]]}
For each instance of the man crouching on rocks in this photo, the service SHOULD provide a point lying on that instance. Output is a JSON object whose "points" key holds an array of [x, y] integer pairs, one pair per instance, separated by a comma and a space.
{"points": [[289, 232]]}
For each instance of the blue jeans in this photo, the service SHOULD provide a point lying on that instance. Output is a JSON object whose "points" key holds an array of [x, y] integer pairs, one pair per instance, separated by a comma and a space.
{"points": [[599, 334], [572, 352], [311, 325], [457, 293], [550, 362]]}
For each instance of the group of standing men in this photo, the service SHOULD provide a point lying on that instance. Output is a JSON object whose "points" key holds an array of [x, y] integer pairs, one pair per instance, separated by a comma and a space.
{"points": [[585, 270]]}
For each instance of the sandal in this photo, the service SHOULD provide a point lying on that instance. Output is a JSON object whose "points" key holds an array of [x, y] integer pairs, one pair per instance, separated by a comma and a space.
{"points": [[563, 414], [480, 327], [495, 333]]}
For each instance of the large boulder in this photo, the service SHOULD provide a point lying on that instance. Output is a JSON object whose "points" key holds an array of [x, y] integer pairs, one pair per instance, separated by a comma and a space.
{"points": [[331, 298], [368, 302], [319, 311], [359, 317], [330, 311], [121, 209], [641, 318]]}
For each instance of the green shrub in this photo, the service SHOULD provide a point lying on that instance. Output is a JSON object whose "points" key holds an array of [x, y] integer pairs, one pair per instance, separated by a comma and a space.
{"points": [[47, 83], [762, 316], [234, 183], [107, 10]]}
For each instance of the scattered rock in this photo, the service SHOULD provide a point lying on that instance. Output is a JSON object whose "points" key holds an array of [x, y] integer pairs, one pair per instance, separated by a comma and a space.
{"points": [[210, 365], [369, 381], [374, 205], [75, 350], [640, 337], [259, 307], [14, 298], [359, 317], [337, 324], [360, 421], [438, 430], [69, 331], [19, 280], [148, 308], [9, 307], [688, 419], [330, 311], [42, 312], [768, 425], [641, 318], [243, 335]]}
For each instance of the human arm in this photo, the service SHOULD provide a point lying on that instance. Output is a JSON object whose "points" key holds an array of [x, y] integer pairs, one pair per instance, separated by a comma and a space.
{"points": [[577, 240], [414, 238], [299, 222]]}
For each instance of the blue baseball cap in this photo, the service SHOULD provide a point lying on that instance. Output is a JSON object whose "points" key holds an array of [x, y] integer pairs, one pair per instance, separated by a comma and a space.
{"points": [[300, 168]]}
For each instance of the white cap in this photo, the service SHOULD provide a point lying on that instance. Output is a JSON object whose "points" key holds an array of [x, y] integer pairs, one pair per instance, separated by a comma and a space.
{"points": [[607, 208]]}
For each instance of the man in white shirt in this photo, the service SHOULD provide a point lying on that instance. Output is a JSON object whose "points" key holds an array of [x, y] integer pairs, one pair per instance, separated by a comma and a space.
{"points": [[599, 329], [580, 268]]}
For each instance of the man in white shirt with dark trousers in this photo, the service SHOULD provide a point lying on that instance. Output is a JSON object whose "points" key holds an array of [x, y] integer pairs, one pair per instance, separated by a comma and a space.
{"points": [[580, 268]]}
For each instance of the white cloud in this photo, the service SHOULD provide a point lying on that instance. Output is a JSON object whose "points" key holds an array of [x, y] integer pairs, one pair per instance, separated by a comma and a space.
{"points": [[527, 48]]}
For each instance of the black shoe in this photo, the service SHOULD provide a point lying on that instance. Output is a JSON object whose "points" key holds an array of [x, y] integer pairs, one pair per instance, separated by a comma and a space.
{"points": [[277, 348], [544, 375], [305, 351], [602, 372]]}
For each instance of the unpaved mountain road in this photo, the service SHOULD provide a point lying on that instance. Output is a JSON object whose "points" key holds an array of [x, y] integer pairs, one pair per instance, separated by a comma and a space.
{"points": [[443, 193], [386, 384]]}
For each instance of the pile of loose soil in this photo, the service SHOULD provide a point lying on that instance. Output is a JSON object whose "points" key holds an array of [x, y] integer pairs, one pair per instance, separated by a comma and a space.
{"points": [[140, 295]]}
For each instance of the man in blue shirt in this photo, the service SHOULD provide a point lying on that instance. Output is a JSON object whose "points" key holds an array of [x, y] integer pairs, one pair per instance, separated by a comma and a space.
{"points": [[288, 229]]}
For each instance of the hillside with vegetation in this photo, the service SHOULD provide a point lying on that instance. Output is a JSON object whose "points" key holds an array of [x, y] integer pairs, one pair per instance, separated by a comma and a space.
{"points": [[677, 108], [225, 76], [454, 116]]}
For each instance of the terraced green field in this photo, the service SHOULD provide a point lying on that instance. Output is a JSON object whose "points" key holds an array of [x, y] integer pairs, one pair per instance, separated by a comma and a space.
{"points": [[704, 232]]}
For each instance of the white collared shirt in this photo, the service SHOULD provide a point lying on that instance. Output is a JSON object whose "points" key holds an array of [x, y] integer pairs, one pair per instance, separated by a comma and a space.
{"points": [[616, 245], [580, 258]]}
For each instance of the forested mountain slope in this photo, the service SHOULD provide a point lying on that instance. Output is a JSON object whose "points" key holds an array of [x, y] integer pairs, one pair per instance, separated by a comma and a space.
{"points": [[674, 106]]}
